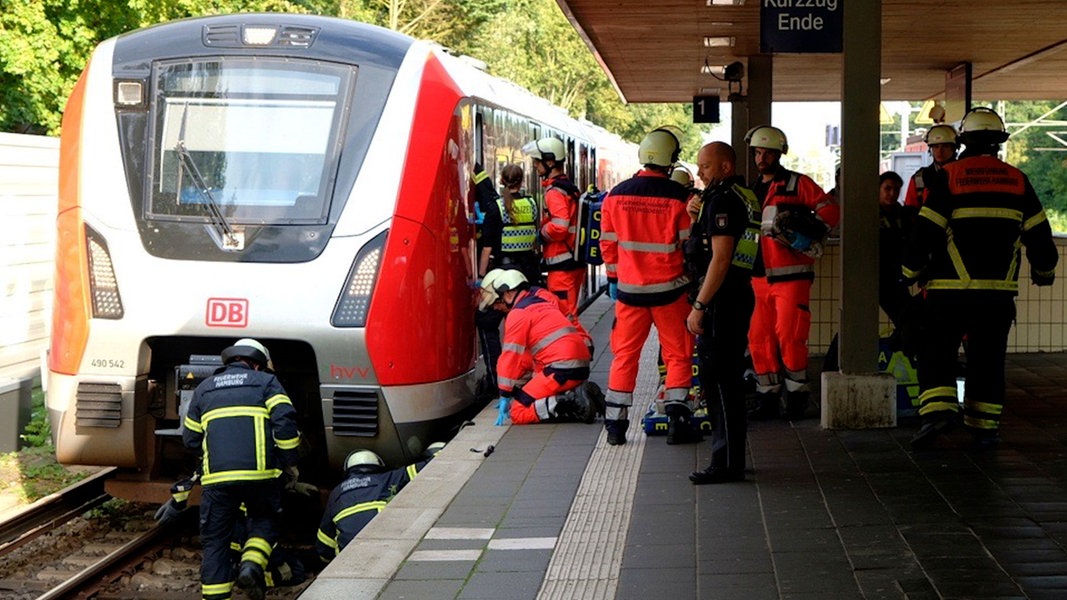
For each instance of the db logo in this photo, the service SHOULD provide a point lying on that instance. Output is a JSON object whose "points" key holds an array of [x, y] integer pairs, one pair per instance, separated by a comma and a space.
{"points": [[227, 312]]}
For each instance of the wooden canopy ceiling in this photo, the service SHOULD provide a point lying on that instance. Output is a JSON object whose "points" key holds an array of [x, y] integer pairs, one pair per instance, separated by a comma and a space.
{"points": [[653, 50]]}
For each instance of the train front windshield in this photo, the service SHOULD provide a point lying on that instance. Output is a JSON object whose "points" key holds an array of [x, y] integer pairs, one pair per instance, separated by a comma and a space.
{"points": [[241, 141]]}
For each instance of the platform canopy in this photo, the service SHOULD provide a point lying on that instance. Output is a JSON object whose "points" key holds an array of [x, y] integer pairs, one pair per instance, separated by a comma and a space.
{"points": [[655, 50]]}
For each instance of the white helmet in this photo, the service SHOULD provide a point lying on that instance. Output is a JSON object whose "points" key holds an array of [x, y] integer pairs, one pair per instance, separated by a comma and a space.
{"points": [[247, 348], [982, 125], [546, 149], [363, 458], [940, 134], [660, 147], [682, 176], [766, 136], [498, 281]]}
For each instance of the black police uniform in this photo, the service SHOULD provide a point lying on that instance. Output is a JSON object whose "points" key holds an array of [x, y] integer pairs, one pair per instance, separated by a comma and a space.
{"points": [[489, 228], [729, 209], [245, 426], [967, 249], [355, 501]]}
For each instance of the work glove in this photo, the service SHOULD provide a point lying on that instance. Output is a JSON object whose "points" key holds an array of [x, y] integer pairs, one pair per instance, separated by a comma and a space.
{"points": [[170, 511], [503, 408], [295, 485], [1042, 279], [613, 290], [173, 508]]}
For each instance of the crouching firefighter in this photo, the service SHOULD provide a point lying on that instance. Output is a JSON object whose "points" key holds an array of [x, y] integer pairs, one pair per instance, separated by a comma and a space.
{"points": [[368, 486], [545, 359], [245, 427]]}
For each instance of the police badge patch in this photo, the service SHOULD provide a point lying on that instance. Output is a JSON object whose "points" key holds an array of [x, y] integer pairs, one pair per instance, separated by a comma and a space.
{"points": [[721, 220]]}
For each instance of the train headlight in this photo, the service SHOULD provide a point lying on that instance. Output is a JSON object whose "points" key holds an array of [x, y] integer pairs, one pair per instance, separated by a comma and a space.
{"points": [[259, 36], [103, 286], [352, 306]]}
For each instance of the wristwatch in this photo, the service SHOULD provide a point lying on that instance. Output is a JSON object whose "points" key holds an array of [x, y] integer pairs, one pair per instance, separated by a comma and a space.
{"points": [[698, 305]]}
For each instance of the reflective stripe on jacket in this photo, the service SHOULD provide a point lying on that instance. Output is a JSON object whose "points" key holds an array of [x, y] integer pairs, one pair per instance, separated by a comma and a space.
{"points": [[643, 228], [559, 224], [978, 211], [537, 335], [244, 424], [779, 262], [520, 235]]}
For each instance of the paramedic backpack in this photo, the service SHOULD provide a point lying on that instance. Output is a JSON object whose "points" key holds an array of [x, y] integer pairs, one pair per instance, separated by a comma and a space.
{"points": [[587, 246]]}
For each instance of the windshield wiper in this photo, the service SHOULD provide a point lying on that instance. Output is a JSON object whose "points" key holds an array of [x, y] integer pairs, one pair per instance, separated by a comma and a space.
{"points": [[186, 164]]}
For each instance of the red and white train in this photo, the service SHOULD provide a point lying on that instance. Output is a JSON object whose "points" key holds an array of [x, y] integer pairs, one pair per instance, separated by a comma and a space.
{"points": [[301, 180]]}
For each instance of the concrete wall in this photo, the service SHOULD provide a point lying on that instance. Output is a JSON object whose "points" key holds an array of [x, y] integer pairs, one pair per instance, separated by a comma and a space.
{"points": [[29, 168]]}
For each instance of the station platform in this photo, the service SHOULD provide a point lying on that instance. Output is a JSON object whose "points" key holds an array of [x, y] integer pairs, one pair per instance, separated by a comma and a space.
{"points": [[553, 512]]}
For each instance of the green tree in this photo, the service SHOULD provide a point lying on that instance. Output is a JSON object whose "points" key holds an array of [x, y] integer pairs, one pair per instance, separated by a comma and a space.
{"points": [[1036, 152]]}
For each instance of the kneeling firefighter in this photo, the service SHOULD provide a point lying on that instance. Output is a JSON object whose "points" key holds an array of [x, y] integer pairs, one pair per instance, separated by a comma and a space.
{"points": [[544, 364]]}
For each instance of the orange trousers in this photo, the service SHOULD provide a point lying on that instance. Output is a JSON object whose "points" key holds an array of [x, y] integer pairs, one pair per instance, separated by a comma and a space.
{"points": [[566, 285], [531, 400], [778, 333], [632, 325]]}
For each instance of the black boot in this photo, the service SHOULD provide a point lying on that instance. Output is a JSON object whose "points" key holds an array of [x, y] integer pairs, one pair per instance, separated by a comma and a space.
{"points": [[617, 431], [594, 396], [934, 425], [680, 429], [713, 475], [767, 407], [796, 405], [573, 406], [250, 579]]}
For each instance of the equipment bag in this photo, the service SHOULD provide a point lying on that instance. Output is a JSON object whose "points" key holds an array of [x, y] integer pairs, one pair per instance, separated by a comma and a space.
{"points": [[587, 246]]}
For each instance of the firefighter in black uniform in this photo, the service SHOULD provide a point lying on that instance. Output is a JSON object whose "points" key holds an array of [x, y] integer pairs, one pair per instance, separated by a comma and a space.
{"points": [[720, 252], [366, 489], [966, 249], [243, 423]]}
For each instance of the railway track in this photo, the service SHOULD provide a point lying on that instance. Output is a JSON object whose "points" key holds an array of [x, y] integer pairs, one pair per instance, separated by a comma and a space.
{"points": [[53, 510]]}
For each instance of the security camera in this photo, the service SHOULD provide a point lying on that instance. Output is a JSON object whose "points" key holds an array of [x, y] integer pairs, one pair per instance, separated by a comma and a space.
{"points": [[734, 71]]}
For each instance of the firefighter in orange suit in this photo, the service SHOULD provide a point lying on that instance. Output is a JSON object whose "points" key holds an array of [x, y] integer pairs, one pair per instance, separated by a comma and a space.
{"points": [[966, 249], [796, 215], [941, 141], [644, 225], [559, 223], [545, 359]]}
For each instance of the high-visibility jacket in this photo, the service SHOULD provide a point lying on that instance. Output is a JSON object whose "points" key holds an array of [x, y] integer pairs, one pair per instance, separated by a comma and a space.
{"points": [[776, 261], [537, 337], [354, 502], [559, 224], [978, 211], [518, 232], [244, 424], [643, 229]]}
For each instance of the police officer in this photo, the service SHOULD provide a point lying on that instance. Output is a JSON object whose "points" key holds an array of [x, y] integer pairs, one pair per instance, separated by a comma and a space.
{"points": [[978, 210], [488, 221], [367, 487], [782, 275], [559, 223], [723, 249], [245, 427], [941, 140], [644, 224], [545, 362]]}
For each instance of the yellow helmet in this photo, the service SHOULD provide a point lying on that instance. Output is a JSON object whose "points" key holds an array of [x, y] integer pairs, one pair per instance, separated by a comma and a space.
{"points": [[982, 125], [497, 282], [659, 147], [682, 176], [548, 148], [940, 134], [766, 136]]}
